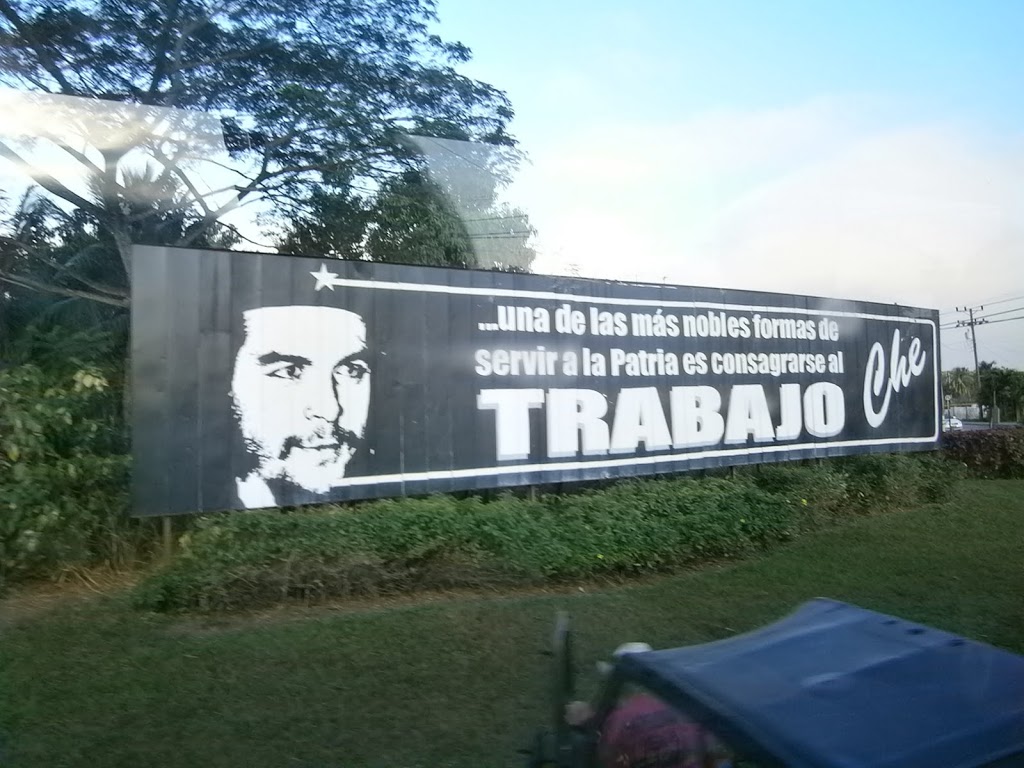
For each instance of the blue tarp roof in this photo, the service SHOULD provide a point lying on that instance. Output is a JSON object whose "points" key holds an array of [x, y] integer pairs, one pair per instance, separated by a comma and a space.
{"points": [[833, 684]]}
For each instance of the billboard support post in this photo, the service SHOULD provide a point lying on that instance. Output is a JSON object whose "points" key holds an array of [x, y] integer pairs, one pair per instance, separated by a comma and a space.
{"points": [[168, 536]]}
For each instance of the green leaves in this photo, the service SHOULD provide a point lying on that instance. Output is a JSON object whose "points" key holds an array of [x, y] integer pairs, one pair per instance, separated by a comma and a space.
{"points": [[988, 454], [1004, 388], [960, 383], [398, 545], [308, 94], [63, 470]]}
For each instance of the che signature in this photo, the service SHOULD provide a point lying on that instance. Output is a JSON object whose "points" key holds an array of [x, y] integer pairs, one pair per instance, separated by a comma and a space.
{"points": [[901, 369]]}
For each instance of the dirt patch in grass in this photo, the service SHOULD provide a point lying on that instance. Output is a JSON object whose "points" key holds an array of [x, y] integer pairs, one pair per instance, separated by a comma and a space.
{"points": [[26, 602], [201, 624], [32, 601]]}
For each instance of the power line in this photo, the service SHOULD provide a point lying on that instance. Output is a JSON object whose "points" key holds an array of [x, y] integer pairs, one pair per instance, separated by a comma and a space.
{"points": [[1004, 320], [1004, 312], [461, 157], [1005, 301], [957, 345], [965, 323], [1002, 349], [499, 218], [989, 303], [500, 235]]}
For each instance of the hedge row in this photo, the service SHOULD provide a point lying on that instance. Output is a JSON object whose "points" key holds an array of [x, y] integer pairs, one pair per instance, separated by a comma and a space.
{"points": [[988, 454], [255, 559]]}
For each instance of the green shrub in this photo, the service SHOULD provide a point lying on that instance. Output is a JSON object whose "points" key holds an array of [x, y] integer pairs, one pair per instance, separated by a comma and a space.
{"points": [[260, 558], [820, 490], [246, 560], [988, 454], [940, 476], [877, 482], [63, 471]]}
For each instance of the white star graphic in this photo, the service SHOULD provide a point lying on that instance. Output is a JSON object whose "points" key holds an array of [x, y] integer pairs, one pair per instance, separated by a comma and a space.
{"points": [[324, 278]]}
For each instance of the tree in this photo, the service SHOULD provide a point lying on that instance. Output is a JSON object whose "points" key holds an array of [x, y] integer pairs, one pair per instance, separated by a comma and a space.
{"points": [[333, 225], [1002, 387], [443, 212], [61, 267], [414, 223], [960, 383], [471, 176], [302, 91], [39, 243]]}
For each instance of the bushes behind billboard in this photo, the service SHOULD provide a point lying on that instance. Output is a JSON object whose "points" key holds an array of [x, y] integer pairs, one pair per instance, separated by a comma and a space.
{"points": [[989, 454]]}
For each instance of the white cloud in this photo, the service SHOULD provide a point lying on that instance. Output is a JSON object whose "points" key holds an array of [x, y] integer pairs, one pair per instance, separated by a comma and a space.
{"points": [[816, 199], [923, 216]]}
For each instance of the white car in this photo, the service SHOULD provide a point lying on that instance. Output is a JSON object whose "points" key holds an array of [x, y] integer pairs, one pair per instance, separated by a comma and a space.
{"points": [[952, 424]]}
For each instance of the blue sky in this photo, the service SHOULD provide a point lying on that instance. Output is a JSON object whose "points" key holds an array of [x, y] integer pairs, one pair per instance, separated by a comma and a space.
{"points": [[870, 150], [671, 58]]}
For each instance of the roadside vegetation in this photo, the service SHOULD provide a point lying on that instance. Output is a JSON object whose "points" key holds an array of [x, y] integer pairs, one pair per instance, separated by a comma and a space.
{"points": [[456, 680], [658, 525], [64, 509]]}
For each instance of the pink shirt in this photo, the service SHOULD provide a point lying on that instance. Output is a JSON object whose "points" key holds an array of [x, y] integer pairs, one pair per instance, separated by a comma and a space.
{"points": [[644, 732]]}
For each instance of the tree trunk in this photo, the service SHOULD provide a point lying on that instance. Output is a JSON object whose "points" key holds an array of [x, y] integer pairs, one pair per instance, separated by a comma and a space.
{"points": [[124, 249]]}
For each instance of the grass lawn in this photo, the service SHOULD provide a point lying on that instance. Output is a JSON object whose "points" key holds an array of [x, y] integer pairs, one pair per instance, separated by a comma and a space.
{"points": [[455, 681]]}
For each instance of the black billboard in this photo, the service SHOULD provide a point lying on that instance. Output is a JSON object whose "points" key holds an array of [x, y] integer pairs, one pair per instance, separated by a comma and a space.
{"points": [[264, 380]]}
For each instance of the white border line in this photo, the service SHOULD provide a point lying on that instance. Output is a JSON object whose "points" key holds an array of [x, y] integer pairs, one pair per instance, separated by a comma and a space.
{"points": [[342, 282], [671, 458]]}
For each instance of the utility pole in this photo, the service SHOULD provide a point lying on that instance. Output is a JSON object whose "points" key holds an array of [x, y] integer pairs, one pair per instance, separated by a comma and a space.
{"points": [[971, 323]]}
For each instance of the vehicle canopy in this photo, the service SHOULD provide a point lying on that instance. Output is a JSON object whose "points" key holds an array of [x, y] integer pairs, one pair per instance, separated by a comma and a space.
{"points": [[834, 685]]}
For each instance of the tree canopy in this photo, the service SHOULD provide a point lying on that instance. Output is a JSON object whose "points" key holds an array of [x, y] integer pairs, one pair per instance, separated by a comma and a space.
{"points": [[1002, 387], [413, 219], [304, 105], [961, 384]]}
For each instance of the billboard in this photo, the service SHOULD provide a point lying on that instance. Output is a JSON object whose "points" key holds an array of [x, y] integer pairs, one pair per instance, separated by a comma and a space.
{"points": [[264, 380]]}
